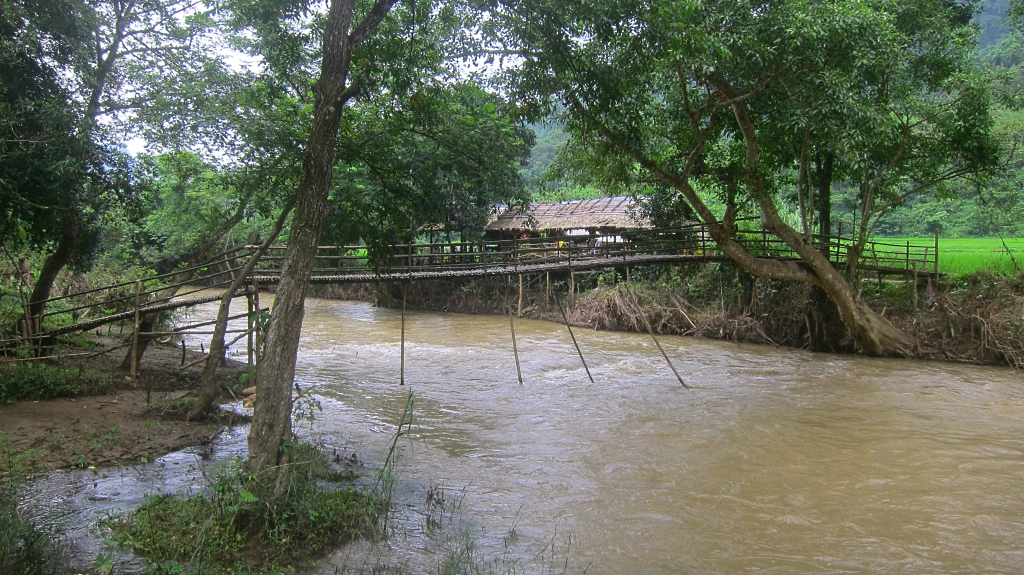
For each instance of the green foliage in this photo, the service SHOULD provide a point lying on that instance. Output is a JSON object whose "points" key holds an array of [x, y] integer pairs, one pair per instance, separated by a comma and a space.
{"points": [[231, 529], [446, 157], [34, 380]]}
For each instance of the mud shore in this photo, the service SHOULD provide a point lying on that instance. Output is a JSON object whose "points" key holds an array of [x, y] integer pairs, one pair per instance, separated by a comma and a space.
{"points": [[117, 428]]}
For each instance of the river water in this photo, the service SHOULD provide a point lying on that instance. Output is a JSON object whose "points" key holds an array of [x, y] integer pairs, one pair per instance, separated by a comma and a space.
{"points": [[777, 461]]}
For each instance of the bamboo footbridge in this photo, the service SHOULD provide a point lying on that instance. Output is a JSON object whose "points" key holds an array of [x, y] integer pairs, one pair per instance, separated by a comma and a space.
{"points": [[92, 308]]}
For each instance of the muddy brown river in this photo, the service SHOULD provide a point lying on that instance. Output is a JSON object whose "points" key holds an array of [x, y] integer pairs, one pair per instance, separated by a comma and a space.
{"points": [[777, 461]]}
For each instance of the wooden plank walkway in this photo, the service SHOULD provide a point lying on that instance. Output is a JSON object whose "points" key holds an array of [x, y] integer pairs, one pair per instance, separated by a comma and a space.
{"points": [[431, 261]]}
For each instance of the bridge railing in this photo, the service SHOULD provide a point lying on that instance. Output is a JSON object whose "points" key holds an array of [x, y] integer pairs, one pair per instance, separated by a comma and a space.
{"points": [[692, 240], [108, 304]]}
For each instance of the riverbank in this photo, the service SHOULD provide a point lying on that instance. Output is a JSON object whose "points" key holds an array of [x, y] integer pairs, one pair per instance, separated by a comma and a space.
{"points": [[970, 319], [115, 426]]}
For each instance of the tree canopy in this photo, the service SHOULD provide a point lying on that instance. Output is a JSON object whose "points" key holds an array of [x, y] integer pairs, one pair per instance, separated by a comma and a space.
{"points": [[738, 98]]}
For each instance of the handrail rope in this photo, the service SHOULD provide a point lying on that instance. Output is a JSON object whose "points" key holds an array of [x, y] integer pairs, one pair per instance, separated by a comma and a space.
{"points": [[210, 262]]}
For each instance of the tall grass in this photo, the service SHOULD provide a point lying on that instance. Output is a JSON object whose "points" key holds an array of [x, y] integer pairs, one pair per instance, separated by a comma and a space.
{"points": [[39, 380]]}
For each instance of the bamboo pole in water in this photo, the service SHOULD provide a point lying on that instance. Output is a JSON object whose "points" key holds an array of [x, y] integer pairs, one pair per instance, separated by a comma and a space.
{"points": [[512, 327], [665, 355], [658, 343], [569, 327], [401, 377]]}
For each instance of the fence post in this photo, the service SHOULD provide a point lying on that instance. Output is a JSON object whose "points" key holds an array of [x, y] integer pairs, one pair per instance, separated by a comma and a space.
{"points": [[936, 258], [908, 259]]}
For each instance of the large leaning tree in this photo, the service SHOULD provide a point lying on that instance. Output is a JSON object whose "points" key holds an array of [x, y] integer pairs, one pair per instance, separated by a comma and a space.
{"points": [[393, 126], [731, 97]]}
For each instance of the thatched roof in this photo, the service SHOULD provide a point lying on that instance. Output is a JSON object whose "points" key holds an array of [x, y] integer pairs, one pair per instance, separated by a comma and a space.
{"points": [[602, 213]]}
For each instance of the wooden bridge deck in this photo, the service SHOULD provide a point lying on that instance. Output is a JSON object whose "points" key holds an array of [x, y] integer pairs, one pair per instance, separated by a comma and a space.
{"points": [[430, 261]]}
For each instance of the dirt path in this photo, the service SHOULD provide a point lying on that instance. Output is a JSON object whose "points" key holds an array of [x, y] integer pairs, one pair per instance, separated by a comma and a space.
{"points": [[116, 428]]}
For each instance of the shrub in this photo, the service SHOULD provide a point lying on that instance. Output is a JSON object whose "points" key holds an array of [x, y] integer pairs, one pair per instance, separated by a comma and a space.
{"points": [[37, 380]]}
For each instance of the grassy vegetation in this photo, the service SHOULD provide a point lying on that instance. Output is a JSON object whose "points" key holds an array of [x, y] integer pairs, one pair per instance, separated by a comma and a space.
{"points": [[962, 256], [230, 530], [38, 380], [24, 548]]}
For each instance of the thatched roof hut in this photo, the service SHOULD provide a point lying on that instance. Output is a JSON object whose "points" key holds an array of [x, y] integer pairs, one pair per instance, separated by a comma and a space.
{"points": [[602, 216]]}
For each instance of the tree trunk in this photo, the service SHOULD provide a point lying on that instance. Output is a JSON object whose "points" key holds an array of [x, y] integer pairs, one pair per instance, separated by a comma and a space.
{"points": [[209, 389], [52, 267], [823, 177], [271, 430], [870, 333], [825, 328]]}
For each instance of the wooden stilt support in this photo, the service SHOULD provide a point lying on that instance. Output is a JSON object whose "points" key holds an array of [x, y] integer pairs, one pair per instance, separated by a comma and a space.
{"points": [[183, 350], [519, 306], [547, 288], [401, 376], [569, 327], [572, 289]]}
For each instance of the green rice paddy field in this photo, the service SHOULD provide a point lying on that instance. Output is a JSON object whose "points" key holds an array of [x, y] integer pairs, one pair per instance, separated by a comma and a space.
{"points": [[959, 256]]}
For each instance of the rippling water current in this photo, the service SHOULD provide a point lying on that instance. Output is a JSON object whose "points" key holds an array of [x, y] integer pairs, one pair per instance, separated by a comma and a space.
{"points": [[777, 461]]}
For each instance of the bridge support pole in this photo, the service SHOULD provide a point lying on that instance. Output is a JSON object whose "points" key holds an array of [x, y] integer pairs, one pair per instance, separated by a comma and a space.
{"points": [[572, 290], [573, 336], [512, 327], [519, 306], [401, 375]]}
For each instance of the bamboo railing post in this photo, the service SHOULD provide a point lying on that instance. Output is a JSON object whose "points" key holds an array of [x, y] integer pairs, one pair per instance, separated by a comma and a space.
{"points": [[936, 258]]}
